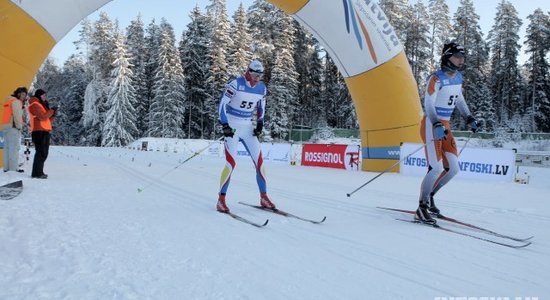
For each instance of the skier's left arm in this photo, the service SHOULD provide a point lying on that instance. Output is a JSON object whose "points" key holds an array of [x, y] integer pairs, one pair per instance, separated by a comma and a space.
{"points": [[260, 113], [260, 109], [465, 112]]}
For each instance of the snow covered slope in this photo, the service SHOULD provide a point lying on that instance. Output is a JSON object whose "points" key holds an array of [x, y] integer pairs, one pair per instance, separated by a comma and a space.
{"points": [[87, 233]]}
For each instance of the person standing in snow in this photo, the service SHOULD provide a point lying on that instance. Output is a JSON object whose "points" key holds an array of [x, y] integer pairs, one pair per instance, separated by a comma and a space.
{"points": [[12, 124], [41, 116], [443, 94], [243, 98]]}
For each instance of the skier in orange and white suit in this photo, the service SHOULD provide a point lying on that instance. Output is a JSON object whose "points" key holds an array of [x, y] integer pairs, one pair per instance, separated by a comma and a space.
{"points": [[443, 94]]}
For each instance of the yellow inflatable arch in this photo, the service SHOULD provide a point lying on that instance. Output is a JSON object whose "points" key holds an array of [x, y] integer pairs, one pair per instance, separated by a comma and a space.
{"points": [[355, 33]]}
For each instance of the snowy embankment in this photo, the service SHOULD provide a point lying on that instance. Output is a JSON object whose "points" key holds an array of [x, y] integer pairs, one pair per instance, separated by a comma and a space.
{"points": [[87, 233]]}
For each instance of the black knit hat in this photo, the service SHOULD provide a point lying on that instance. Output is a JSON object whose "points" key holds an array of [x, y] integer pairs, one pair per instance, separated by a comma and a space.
{"points": [[39, 93], [19, 90], [449, 50], [452, 49]]}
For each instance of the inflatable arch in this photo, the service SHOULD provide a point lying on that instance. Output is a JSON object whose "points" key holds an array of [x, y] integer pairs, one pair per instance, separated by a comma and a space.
{"points": [[355, 33]]}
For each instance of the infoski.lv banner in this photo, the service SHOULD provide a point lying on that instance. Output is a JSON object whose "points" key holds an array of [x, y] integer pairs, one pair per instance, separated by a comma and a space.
{"points": [[474, 163]]}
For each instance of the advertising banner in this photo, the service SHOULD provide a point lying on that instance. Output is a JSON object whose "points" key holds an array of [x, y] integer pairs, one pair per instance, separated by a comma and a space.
{"points": [[272, 152], [345, 157], [475, 163], [358, 32]]}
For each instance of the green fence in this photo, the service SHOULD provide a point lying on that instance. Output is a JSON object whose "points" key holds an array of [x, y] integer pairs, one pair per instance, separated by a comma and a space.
{"points": [[486, 135], [305, 135]]}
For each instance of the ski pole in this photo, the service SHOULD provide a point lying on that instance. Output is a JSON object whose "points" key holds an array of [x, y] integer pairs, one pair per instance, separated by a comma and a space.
{"points": [[389, 168], [468, 140], [180, 164]]}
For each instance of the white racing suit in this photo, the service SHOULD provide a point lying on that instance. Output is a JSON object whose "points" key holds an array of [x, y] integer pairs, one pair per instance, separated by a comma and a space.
{"points": [[443, 94], [239, 104]]}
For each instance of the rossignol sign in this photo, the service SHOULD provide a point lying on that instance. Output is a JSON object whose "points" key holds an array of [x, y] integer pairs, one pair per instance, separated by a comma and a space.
{"points": [[474, 163], [331, 156]]}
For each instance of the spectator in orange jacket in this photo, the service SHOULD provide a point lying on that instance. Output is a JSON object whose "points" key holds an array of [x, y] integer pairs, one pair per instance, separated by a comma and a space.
{"points": [[41, 116]]}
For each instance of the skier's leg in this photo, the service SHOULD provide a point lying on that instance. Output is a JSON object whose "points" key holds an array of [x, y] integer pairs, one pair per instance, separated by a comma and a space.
{"points": [[230, 150], [253, 147], [435, 168]]}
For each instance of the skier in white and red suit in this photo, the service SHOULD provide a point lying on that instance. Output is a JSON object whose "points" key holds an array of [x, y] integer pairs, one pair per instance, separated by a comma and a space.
{"points": [[243, 100]]}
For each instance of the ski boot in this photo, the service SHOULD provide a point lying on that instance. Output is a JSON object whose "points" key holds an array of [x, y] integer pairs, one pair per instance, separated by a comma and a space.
{"points": [[433, 210], [423, 216], [265, 202], [221, 206]]}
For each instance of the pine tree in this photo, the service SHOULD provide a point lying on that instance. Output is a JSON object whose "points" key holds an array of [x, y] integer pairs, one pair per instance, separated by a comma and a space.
{"points": [[83, 44], [314, 90], [303, 51], [100, 60], [538, 86], [503, 40], [340, 107], [120, 120], [102, 43], [417, 45], [332, 92], [399, 14], [69, 115], [278, 103], [218, 69], [262, 20], [137, 48], [195, 62], [282, 106], [152, 49], [239, 52], [91, 120], [48, 78], [440, 29], [167, 107], [476, 91]]}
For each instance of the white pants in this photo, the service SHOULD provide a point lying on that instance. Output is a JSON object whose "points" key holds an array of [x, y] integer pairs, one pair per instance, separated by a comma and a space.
{"points": [[244, 134], [12, 144]]}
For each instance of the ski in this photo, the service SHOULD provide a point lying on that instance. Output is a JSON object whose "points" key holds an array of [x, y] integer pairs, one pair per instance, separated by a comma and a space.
{"points": [[525, 244], [284, 213], [11, 190], [244, 220], [444, 218]]}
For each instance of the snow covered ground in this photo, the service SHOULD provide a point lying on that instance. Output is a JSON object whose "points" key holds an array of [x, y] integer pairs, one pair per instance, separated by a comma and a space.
{"points": [[87, 233]]}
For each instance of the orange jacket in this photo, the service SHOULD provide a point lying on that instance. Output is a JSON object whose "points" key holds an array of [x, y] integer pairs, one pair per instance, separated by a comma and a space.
{"points": [[12, 116], [41, 118]]}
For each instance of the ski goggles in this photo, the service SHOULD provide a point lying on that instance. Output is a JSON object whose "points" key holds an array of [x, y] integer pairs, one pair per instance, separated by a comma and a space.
{"points": [[255, 75], [259, 72]]}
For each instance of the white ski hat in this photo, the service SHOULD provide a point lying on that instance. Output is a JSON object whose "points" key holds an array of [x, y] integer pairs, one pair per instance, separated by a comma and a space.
{"points": [[256, 66]]}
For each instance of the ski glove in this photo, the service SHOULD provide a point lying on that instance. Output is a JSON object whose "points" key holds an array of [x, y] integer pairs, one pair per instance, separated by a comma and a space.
{"points": [[259, 128], [440, 133], [472, 122], [227, 130]]}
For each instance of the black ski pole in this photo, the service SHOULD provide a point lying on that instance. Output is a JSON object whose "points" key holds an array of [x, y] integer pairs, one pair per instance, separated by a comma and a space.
{"points": [[389, 168], [467, 141]]}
